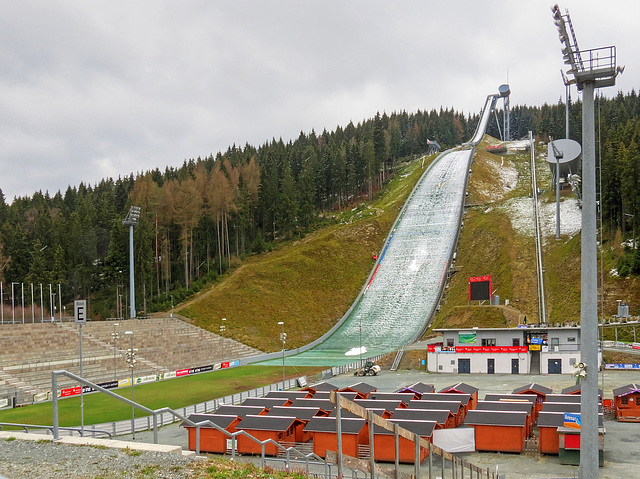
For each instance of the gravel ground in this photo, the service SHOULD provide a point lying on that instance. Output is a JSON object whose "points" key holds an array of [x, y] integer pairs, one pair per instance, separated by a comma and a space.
{"points": [[43, 459]]}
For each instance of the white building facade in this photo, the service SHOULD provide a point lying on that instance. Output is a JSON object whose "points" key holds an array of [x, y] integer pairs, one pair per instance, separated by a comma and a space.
{"points": [[522, 350]]}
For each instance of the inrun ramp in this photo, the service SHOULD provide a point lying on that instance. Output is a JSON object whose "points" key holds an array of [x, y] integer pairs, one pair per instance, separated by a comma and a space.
{"points": [[403, 291]]}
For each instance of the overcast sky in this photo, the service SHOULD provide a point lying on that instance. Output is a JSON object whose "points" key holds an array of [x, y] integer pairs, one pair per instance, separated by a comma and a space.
{"points": [[94, 89]]}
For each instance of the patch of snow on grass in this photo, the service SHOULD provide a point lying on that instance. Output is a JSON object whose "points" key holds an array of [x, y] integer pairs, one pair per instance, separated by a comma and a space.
{"points": [[508, 179], [570, 218], [520, 210]]}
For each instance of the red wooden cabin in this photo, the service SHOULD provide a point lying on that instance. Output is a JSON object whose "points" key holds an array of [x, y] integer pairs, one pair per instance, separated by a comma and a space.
{"points": [[279, 428], [626, 400], [498, 431], [384, 441], [211, 439], [325, 436]]}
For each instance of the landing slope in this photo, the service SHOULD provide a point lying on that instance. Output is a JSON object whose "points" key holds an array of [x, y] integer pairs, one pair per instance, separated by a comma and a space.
{"points": [[395, 305]]}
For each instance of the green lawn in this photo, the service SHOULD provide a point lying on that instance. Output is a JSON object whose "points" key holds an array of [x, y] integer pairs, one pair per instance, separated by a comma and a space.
{"points": [[173, 393]]}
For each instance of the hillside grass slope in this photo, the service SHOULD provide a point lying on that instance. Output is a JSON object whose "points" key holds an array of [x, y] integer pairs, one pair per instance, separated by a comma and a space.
{"points": [[309, 283]]}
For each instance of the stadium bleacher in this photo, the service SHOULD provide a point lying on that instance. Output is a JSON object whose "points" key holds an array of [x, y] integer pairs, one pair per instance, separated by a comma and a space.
{"points": [[31, 351]]}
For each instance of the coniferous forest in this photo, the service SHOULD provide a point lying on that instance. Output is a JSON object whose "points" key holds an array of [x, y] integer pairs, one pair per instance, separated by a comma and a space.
{"points": [[198, 220]]}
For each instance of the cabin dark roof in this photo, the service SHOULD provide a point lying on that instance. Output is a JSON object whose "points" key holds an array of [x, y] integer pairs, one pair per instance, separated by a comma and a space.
{"points": [[421, 428], [266, 402], [323, 386], [438, 415], [556, 419], [240, 411], [493, 418], [626, 390], [462, 397], [526, 406], [287, 394], [380, 404], [562, 398], [404, 397], [577, 389], [218, 420], [323, 404], [419, 387], [364, 388], [536, 388], [326, 394], [453, 406], [463, 388], [511, 397], [268, 423], [346, 413], [303, 413], [328, 424], [561, 407]]}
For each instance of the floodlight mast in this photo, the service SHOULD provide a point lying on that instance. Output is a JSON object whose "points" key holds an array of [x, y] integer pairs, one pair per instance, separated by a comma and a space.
{"points": [[132, 219], [590, 69]]}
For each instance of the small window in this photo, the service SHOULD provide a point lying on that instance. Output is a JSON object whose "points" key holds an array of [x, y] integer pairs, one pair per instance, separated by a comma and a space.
{"points": [[516, 341], [624, 400], [489, 342], [555, 341], [453, 361], [439, 367], [450, 342], [571, 340]]}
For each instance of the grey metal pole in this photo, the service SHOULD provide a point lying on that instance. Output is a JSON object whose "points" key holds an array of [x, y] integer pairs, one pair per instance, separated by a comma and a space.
{"points": [[372, 451], [557, 197], [339, 435], [566, 111], [81, 387], [2, 302], [133, 410], [132, 292], [589, 454], [54, 404]]}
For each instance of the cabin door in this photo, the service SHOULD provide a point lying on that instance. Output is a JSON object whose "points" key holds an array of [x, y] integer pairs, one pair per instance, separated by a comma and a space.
{"points": [[515, 366], [491, 366]]}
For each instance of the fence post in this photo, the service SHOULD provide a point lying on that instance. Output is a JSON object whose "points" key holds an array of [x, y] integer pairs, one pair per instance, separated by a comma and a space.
{"points": [[372, 452], [396, 446], [417, 456]]}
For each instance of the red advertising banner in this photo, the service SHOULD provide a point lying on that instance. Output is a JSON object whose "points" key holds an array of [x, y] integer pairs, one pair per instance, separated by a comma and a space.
{"points": [[477, 279], [182, 372], [70, 392], [478, 349]]}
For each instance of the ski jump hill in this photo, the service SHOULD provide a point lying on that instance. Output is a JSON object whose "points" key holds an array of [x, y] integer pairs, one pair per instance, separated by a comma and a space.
{"points": [[396, 304]]}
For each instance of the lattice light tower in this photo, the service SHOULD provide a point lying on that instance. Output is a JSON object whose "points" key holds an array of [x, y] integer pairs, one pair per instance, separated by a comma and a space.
{"points": [[590, 69]]}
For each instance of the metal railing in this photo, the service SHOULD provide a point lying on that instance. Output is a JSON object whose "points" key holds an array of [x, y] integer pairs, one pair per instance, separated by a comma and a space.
{"points": [[81, 431]]}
